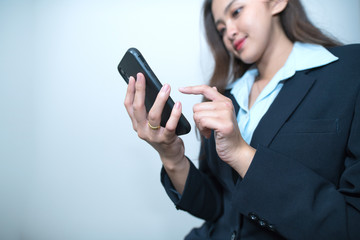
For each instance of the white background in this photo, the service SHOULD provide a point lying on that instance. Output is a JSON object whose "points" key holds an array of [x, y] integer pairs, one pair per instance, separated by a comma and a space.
{"points": [[71, 167]]}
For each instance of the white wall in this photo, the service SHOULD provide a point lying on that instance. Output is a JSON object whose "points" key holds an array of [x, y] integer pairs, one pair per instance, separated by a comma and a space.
{"points": [[337, 17], [71, 166]]}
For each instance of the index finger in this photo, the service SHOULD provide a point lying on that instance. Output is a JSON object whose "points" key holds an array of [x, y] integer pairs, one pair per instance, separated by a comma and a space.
{"points": [[208, 92]]}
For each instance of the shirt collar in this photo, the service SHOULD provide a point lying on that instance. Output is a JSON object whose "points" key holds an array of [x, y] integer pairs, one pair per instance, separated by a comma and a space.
{"points": [[305, 56], [302, 57]]}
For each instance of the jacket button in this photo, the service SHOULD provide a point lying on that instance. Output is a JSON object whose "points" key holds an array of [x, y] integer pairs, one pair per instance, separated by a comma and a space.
{"points": [[253, 216], [271, 228], [233, 235], [262, 223]]}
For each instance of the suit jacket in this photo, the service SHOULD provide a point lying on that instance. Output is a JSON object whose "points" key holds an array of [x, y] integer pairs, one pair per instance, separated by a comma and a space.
{"points": [[304, 180]]}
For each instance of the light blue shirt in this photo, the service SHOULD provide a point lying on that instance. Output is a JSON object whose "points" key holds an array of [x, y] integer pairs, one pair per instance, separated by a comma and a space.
{"points": [[302, 57]]}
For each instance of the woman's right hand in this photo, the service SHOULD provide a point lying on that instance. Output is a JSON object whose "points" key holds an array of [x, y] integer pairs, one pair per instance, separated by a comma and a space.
{"points": [[169, 146]]}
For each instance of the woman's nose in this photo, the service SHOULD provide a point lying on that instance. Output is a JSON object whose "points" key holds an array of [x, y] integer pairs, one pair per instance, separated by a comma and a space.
{"points": [[232, 30]]}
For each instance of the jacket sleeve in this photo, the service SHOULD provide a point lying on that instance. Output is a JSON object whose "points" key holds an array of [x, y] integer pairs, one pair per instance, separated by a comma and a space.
{"points": [[297, 202], [202, 196]]}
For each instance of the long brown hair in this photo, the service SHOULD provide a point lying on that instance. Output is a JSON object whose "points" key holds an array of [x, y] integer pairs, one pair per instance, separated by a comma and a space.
{"points": [[295, 23]]}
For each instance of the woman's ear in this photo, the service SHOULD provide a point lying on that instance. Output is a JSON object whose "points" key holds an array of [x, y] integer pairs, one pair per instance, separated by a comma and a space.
{"points": [[278, 6]]}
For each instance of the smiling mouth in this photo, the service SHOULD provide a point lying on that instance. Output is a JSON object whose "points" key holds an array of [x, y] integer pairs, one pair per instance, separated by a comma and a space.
{"points": [[239, 44]]}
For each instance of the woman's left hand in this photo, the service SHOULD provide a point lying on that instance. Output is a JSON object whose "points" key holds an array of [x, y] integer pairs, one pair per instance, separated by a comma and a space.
{"points": [[218, 114]]}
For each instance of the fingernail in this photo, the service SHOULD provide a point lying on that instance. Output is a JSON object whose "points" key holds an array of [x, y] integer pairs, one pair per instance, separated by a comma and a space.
{"points": [[177, 105], [165, 88]]}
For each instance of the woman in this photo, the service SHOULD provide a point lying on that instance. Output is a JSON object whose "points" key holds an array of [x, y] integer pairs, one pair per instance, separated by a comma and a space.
{"points": [[280, 154]]}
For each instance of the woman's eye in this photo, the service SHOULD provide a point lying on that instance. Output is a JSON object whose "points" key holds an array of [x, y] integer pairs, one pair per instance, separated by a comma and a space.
{"points": [[222, 31], [236, 12]]}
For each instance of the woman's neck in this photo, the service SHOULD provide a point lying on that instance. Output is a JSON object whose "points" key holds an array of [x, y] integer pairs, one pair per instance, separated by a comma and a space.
{"points": [[275, 55]]}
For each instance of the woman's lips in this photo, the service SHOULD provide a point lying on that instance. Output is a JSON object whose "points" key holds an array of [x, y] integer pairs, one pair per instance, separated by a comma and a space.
{"points": [[239, 44]]}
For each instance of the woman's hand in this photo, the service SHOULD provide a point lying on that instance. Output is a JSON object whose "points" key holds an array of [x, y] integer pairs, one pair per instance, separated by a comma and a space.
{"points": [[147, 125], [219, 115]]}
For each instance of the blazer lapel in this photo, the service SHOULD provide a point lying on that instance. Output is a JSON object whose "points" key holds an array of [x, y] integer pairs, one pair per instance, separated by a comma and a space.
{"points": [[292, 93]]}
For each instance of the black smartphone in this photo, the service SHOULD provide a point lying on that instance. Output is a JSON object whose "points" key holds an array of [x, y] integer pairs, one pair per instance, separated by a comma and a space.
{"points": [[132, 63]]}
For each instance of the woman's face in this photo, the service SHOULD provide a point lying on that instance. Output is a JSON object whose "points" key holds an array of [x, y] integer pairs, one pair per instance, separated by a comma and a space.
{"points": [[245, 26]]}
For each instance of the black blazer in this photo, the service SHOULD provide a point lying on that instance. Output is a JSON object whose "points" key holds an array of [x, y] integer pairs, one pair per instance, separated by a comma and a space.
{"points": [[304, 181]]}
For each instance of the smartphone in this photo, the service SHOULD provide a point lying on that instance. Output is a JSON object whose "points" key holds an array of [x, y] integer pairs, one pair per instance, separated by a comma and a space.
{"points": [[132, 63]]}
